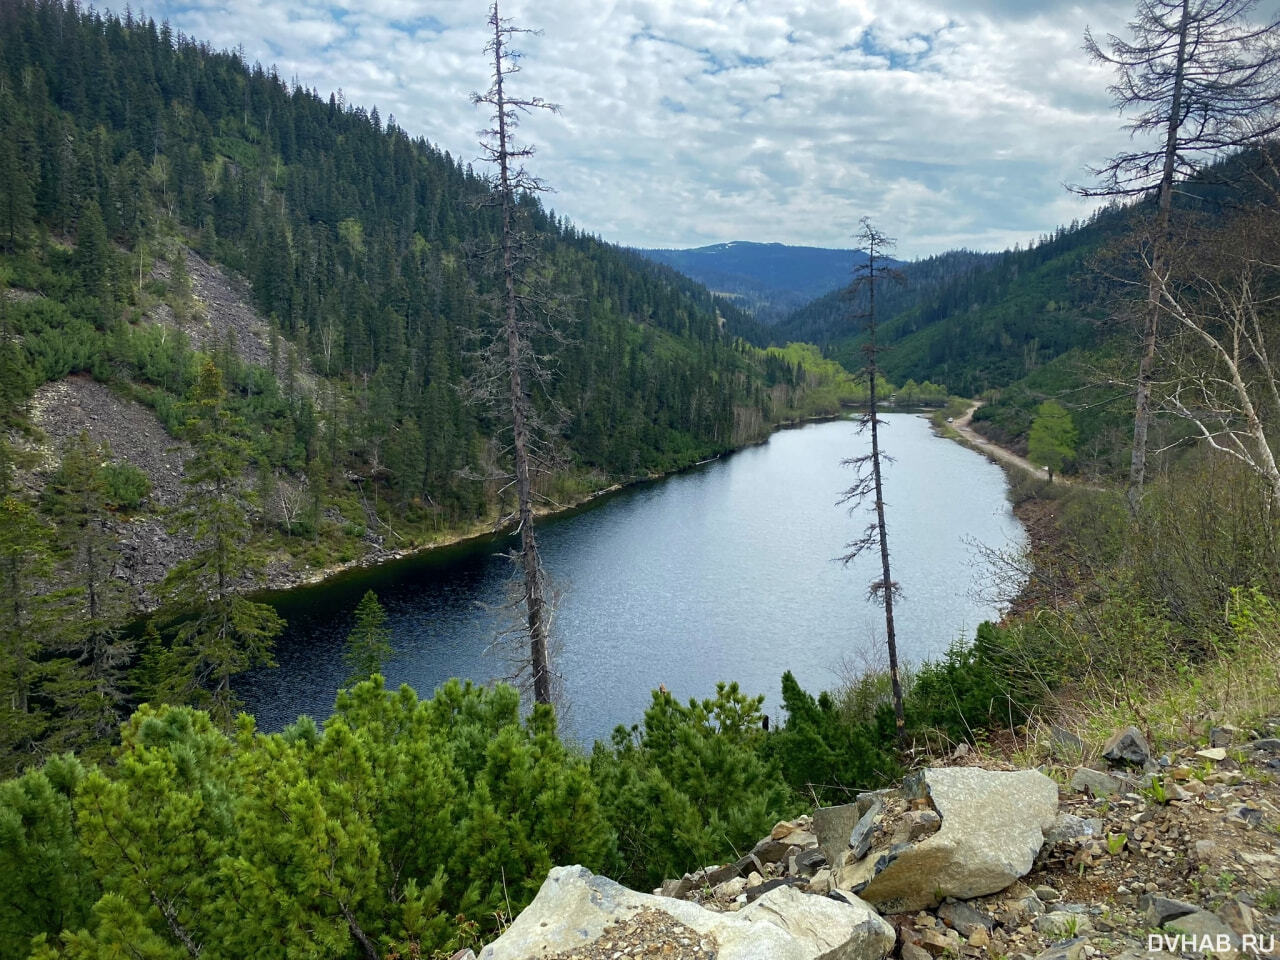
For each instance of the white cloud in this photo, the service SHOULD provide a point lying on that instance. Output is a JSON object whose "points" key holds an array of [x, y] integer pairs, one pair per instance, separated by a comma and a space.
{"points": [[696, 121]]}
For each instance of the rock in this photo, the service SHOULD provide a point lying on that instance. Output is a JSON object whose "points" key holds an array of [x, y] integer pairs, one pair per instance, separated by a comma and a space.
{"points": [[1205, 929], [820, 883], [1205, 849], [467, 954], [1223, 736], [840, 930], [1062, 925], [574, 907], [1095, 783], [1217, 754], [770, 850], [993, 826], [777, 883], [917, 824], [783, 828], [1238, 916], [1065, 743], [730, 888], [832, 826], [1067, 826], [1047, 894], [1127, 746], [1265, 745], [912, 952], [1071, 950], [1160, 909], [860, 836], [808, 862], [964, 918]]}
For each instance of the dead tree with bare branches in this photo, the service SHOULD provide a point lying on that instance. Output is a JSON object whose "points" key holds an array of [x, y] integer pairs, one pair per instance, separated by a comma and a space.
{"points": [[510, 367], [1221, 299], [1201, 80], [868, 480]]}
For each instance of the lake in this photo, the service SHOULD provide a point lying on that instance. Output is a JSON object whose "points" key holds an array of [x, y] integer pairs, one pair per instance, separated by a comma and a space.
{"points": [[723, 572]]}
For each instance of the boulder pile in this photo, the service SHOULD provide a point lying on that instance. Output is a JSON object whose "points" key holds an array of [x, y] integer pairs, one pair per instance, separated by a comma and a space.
{"points": [[967, 862]]}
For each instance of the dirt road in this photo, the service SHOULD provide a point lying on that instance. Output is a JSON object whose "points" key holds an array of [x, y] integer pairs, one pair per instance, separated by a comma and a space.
{"points": [[978, 442]]}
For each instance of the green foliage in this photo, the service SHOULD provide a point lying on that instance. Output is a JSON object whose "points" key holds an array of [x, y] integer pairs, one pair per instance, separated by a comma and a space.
{"points": [[692, 786], [830, 754], [397, 819], [216, 632], [974, 687], [45, 882], [368, 645], [1052, 441], [125, 486]]}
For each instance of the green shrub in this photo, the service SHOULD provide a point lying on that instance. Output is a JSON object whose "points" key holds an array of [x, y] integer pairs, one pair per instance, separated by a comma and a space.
{"points": [[974, 687], [830, 754], [126, 486], [692, 786]]}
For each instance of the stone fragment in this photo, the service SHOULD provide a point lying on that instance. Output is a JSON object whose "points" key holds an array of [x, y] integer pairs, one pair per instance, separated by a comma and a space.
{"points": [[832, 826], [963, 918], [1217, 754], [1158, 910], [1071, 950], [574, 907], [1127, 746], [864, 829], [993, 825], [1095, 783]]}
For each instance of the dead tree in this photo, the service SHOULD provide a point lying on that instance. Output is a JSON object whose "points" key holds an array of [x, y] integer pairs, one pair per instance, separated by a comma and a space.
{"points": [[1223, 361], [510, 366], [868, 481], [1203, 81]]}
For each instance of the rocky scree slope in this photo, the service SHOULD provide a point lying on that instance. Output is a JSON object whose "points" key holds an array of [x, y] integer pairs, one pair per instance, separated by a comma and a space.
{"points": [[1069, 862]]}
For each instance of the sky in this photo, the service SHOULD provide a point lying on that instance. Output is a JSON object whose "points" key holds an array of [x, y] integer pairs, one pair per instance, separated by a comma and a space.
{"points": [[951, 123]]}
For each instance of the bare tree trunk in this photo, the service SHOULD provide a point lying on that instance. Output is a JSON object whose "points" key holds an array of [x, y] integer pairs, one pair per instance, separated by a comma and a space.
{"points": [[870, 480], [1146, 363], [890, 634], [530, 561]]}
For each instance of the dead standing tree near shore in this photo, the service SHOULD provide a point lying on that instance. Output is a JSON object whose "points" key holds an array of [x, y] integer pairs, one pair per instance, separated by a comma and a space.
{"points": [[510, 366], [867, 468], [1204, 81]]}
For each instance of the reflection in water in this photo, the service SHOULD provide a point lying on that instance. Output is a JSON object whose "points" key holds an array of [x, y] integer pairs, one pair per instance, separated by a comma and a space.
{"points": [[725, 572]]}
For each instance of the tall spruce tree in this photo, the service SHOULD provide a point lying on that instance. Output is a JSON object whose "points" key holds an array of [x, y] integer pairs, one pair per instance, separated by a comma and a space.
{"points": [[868, 276], [92, 688], [368, 645], [26, 627], [216, 632], [1198, 80]]}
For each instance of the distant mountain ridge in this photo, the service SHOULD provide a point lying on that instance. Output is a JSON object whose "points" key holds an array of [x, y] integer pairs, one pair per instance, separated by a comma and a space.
{"points": [[767, 279]]}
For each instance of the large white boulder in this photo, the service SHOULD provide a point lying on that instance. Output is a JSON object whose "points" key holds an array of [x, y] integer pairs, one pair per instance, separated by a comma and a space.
{"points": [[574, 908], [993, 825]]}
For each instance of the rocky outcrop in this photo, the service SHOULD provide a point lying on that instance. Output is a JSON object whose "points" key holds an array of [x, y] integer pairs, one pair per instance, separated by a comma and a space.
{"points": [[956, 832], [579, 915], [1110, 872]]}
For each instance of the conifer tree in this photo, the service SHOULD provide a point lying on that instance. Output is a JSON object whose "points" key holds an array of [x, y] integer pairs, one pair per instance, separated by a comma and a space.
{"points": [[26, 625], [514, 366], [92, 688], [217, 633], [868, 467], [368, 645]]}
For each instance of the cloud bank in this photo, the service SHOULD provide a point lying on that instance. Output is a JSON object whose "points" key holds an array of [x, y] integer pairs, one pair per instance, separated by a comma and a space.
{"points": [[686, 122]]}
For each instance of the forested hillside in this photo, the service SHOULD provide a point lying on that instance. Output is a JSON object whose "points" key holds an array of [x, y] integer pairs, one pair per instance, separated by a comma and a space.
{"points": [[121, 143], [976, 321]]}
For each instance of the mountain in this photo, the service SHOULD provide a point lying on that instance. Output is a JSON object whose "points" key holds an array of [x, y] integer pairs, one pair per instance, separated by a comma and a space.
{"points": [[163, 201], [765, 279]]}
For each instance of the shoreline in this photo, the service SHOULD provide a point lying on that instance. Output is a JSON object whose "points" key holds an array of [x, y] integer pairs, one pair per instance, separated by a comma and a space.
{"points": [[286, 580]]}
